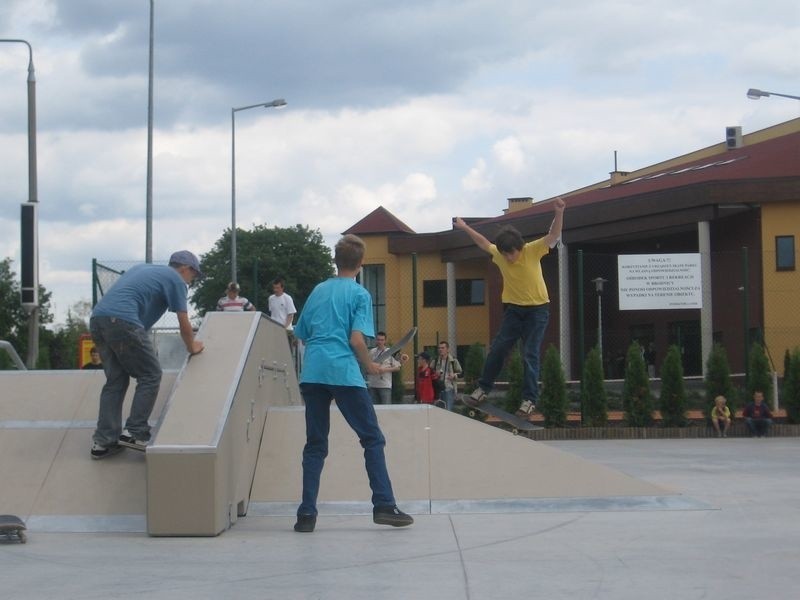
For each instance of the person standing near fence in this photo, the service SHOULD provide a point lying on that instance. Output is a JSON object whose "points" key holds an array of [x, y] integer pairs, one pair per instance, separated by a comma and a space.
{"points": [[447, 369], [380, 384], [120, 326], [525, 301]]}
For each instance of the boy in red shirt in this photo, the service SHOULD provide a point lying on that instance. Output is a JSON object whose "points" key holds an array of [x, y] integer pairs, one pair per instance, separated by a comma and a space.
{"points": [[425, 393]]}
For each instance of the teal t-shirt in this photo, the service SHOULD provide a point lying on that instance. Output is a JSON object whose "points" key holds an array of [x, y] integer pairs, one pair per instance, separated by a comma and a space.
{"points": [[334, 309]]}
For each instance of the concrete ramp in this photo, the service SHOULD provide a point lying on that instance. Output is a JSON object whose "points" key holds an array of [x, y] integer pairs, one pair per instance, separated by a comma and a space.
{"points": [[439, 462]]}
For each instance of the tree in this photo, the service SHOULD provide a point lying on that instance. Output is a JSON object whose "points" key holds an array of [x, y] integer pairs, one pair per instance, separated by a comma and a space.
{"points": [[636, 398], [760, 375], [63, 342], [718, 379], [14, 319], [672, 400], [553, 403], [473, 365], [297, 254], [594, 400], [791, 387]]}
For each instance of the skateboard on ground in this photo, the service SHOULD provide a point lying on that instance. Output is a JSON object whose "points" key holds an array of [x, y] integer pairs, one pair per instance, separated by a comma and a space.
{"points": [[12, 528], [517, 423], [395, 348]]}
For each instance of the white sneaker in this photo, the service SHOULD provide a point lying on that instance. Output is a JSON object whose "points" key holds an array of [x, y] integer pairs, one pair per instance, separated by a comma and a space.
{"points": [[478, 395], [526, 408], [127, 440]]}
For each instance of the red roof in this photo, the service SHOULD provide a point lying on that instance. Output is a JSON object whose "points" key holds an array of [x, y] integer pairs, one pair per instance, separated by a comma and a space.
{"points": [[379, 220]]}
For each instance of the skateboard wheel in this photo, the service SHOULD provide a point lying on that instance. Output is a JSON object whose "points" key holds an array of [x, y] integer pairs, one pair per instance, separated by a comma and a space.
{"points": [[472, 414], [515, 431]]}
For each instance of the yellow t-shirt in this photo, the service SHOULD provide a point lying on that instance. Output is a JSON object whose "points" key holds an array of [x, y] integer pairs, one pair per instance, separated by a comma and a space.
{"points": [[523, 283], [726, 413]]}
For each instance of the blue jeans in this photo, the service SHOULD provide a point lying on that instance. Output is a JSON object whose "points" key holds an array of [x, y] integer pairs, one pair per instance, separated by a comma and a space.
{"points": [[448, 397], [356, 407], [127, 352], [529, 324]]}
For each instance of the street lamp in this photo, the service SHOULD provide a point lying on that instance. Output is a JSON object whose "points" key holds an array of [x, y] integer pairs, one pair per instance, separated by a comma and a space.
{"points": [[755, 94], [148, 220], [598, 286], [29, 250], [274, 104]]}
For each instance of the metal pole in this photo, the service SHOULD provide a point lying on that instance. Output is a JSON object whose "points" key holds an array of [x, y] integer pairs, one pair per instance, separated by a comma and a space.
{"points": [[233, 195], [148, 234], [31, 303], [746, 314], [600, 325]]}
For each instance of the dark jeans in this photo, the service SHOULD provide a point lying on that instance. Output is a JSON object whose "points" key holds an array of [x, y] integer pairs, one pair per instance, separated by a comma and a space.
{"points": [[529, 324], [127, 352], [356, 407], [758, 427]]}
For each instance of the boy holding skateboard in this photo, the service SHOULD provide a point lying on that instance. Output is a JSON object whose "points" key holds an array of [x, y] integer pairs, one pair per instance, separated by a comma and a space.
{"points": [[334, 321], [525, 302]]}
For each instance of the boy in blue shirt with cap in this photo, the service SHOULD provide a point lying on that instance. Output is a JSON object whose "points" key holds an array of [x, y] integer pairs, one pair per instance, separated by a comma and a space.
{"points": [[120, 325], [334, 321]]}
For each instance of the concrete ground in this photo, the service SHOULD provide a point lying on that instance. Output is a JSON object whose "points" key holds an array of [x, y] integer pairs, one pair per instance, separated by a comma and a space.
{"points": [[745, 544]]}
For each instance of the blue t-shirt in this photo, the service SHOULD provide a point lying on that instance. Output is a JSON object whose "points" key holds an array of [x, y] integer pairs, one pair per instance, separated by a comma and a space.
{"points": [[334, 309], [143, 294]]}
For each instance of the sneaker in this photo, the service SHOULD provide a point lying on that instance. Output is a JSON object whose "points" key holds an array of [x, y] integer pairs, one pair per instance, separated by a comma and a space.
{"points": [[478, 395], [391, 515], [526, 408], [99, 451], [127, 440], [305, 523]]}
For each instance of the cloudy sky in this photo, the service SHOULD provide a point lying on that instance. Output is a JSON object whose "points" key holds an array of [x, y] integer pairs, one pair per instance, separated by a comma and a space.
{"points": [[431, 108]]}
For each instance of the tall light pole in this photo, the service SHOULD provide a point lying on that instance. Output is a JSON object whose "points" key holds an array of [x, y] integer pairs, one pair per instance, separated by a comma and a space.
{"points": [[274, 104], [148, 233], [598, 286], [29, 250], [755, 94]]}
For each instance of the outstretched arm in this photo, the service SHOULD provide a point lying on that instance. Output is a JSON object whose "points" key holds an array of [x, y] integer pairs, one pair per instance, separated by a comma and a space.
{"points": [[558, 221], [476, 237]]}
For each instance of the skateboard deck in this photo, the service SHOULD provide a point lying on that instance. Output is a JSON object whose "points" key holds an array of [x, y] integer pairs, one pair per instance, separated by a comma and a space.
{"points": [[517, 423], [12, 528], [395, 348]]}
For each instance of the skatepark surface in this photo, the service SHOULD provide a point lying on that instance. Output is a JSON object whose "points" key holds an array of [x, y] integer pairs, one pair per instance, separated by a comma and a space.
{"points": [[744, 544]]}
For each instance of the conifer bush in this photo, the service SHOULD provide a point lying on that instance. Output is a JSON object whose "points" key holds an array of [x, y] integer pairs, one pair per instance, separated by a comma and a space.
{"points": [[672, 401], [718, 380], [553, 400], [791, 387], [760, 374], [594, 401], [637, 402]]}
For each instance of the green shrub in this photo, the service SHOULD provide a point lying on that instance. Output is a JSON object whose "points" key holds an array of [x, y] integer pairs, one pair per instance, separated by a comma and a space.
{"points": [[672, 401], [637, 402], [398, 387], [594, 401], [760, 374], [553, 401], [718, 380], [791, 387], [516, 373]]}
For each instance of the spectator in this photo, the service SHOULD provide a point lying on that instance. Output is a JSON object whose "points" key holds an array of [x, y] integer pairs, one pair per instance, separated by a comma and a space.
{"points": [[424, 389], [447, 370], [380, 384], [281, 305], [95, 362], [232, 301], [757, 416], [721, 416]]}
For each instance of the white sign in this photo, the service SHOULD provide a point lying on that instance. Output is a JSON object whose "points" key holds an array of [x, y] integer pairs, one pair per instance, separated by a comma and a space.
{"points": [[659, 281]]}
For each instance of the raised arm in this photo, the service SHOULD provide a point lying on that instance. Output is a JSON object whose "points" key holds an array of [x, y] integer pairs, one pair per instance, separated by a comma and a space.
{"points": [[558, 221], [480, 241]]}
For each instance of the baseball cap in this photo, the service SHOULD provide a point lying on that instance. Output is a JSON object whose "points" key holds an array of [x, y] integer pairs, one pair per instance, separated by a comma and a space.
{"points": [[425, 356], [184, 257]]}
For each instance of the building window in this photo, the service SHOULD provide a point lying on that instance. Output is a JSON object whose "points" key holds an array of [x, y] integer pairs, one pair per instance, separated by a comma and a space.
{"points": [[373, 277], [469, 292], [784, 252]]}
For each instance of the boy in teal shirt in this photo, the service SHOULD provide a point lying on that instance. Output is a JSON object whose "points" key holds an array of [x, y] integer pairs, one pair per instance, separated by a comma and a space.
{"points": [[332, 325]]}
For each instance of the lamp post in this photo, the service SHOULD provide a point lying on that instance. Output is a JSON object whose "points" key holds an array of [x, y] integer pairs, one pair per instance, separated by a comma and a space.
{"points": [[598, 286], [148, 226], [274, 104], [29, 251], [755, 94]]}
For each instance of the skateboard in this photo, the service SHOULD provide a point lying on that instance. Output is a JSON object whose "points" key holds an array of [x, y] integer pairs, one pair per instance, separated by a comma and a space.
{"points": [[517, 423], [12, 528], [395, 348]]}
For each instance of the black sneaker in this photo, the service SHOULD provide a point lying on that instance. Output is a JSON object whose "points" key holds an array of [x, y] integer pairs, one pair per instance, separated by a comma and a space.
{"points": [[99, 451], [305, 523], [127, 440], [391, 515]]}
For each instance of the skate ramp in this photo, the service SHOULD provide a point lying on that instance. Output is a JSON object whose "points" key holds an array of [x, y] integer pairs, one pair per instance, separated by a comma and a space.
{"points": [[441, 462]]}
